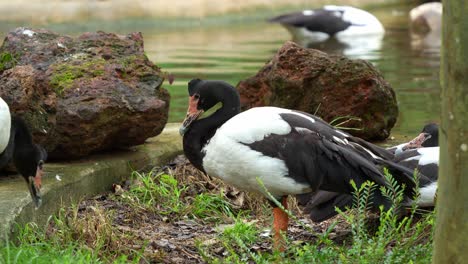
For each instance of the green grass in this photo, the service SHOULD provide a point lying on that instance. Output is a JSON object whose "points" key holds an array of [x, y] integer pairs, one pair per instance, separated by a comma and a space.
{"points": [[74, 237], [162, 193], [210, 206], [152, 189], [239, 236], [395, 239], [33, 245]]}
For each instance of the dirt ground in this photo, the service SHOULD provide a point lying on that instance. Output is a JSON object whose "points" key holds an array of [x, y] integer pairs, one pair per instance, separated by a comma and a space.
{"points": [[160, 238]]}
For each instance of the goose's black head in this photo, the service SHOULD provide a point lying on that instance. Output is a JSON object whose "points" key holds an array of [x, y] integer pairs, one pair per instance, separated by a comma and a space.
{"points": [[429, 137], [29, 162], [204, 94]]}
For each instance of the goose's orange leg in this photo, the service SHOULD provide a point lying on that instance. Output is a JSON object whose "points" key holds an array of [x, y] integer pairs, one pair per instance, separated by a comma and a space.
{"points": [[280, 226]]}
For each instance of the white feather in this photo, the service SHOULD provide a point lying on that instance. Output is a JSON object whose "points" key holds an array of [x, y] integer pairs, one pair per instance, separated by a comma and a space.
{"points": [[339, 140], [255, 124], [426, 156], [239, 165], [398, 148], [5, 125], [363, 22], [341, 133], [429, 155], [427, 195]]}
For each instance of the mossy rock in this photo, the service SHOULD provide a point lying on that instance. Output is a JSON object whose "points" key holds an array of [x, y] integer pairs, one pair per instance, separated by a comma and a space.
{"points": [[63, 75]]}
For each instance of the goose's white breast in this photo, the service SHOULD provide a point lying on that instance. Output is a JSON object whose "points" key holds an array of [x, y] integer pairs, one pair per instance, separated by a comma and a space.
{"points": [[5, 125], [229, 158]]}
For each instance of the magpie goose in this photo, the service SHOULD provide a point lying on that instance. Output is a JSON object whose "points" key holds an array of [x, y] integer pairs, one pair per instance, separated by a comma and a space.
{"points": [[425, 161], [421, 154], [429, 137], [330, 21], [426, 18], [290, 152], [16, 145]]}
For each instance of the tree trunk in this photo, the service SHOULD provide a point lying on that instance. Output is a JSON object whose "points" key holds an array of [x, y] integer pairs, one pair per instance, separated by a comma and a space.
{"points": [[451, 232]]}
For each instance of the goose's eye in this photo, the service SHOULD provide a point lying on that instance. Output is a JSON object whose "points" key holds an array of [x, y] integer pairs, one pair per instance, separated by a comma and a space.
{"points": [[196, 96]]}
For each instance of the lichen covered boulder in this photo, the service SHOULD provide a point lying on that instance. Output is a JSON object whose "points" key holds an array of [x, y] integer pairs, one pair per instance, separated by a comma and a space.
{"points": [[80, 95], [328, 86]]}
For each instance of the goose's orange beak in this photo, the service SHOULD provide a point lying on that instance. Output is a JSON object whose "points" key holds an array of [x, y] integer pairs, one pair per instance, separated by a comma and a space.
{"points": [[192, 114], [34, 185]]}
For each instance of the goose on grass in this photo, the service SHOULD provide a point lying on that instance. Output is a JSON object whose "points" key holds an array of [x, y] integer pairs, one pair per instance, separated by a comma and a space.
{"points": [[289, 152], [16, 145], [421, 154]]}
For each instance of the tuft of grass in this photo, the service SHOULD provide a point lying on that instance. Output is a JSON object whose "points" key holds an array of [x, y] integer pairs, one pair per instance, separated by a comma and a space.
{"points": [[163, 194], [340, 121], [237, 240], [156, 192], [70, 242], [94, 231], [394, 239], [210, 206]]}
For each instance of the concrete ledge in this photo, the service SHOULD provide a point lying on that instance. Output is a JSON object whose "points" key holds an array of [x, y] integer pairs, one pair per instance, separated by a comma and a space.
{"points": [[81, 179]]}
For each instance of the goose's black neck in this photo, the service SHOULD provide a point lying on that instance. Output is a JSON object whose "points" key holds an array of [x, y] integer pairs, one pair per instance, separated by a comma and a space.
{"points": [[23, 137], [25, 154], [202, 130]]}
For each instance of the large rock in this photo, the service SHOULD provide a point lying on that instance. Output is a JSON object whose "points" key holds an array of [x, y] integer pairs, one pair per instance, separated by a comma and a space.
{"points": [[81, 95], [326, 85]]}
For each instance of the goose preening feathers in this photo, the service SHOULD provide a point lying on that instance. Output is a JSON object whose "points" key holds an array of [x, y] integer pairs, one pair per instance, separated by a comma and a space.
{"points": [[429, 137], [421, 154], [290, 152], [16, 145]]}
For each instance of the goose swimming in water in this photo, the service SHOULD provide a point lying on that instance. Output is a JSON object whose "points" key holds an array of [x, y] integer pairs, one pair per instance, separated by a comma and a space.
{"points": [[330, 21], [289, 152]]}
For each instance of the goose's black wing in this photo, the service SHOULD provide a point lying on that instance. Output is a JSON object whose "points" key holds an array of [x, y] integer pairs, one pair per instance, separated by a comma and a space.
{"points": [[320, 155], [320, 20]]}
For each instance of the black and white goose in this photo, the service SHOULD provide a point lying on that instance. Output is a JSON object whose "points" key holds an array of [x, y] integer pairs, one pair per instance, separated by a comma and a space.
{"points": [[16, 145], [290, 152], [426, 161], [421, 154], [330, 21], [429, 137]]}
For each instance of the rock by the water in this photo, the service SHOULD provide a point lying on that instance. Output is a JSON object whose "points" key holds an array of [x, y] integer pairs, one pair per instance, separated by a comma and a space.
{"points": [[80, 95], [329, 86]]}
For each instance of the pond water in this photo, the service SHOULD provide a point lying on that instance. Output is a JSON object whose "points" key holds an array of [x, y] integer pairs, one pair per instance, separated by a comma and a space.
{"points": [[235, 51]]}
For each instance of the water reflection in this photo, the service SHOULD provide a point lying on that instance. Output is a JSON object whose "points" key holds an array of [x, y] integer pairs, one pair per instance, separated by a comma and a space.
{"points": [[362, 47], [429, 41]]}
